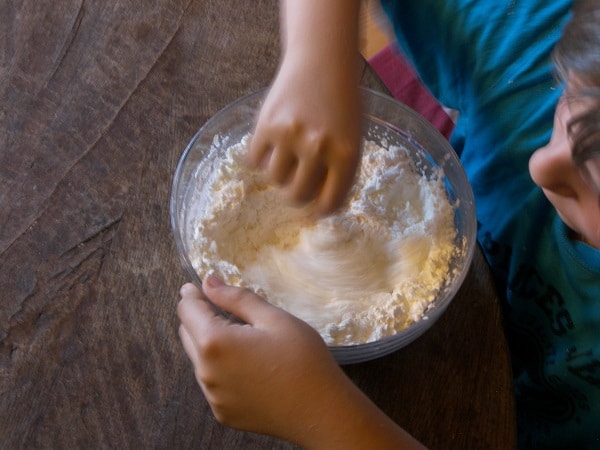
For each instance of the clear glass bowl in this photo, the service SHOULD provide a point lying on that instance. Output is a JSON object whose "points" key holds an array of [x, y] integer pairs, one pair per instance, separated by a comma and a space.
{"points": [[386, 122]]}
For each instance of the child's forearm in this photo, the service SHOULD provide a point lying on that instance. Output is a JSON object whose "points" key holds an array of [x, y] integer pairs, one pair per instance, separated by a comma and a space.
{"points": [[349, 419], [322, 34]]}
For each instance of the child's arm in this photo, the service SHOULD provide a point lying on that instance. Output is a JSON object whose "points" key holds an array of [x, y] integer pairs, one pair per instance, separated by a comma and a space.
{"points": [[307, 137], [275, 375]]}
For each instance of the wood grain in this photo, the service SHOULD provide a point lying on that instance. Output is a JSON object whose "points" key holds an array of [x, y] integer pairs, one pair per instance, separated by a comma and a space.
{"points": [[98, 101]]}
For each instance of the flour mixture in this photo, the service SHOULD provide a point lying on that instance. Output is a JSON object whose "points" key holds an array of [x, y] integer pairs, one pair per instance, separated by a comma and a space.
{"points": [[366, 272]]}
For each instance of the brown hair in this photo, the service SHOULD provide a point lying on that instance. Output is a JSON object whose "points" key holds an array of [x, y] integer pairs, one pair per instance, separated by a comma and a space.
{"points": [[578, 53]]}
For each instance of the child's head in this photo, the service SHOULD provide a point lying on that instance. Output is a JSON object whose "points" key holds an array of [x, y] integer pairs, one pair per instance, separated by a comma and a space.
{"points": [[568, 167], [577, 57]]}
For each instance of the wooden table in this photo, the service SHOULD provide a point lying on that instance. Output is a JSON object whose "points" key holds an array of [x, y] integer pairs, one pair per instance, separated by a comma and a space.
{"points": [[97, 102]]}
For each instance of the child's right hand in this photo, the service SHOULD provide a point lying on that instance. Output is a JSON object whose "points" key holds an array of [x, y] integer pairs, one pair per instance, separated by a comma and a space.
{"points": [[307, 137], [308, 141]]}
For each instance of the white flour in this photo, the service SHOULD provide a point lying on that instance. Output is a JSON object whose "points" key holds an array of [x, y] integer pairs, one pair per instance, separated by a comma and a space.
{"points": [[364, 273]]}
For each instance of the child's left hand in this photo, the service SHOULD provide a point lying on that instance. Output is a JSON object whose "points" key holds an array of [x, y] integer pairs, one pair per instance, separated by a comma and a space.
{"points": [[272, 375]]}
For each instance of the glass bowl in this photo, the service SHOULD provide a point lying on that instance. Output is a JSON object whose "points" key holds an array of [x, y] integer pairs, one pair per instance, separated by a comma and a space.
{"points": [[385, 122]]}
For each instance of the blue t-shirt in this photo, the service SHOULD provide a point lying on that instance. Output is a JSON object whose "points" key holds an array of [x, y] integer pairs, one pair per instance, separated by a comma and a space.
{"points": [[490, 60]]}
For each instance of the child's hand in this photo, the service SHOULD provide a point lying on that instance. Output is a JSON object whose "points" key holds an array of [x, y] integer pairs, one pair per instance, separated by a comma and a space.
{"points": [[271, 375], [307, 137], [308, 141]]}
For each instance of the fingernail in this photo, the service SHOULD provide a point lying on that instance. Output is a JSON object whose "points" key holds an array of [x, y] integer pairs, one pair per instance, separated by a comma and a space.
{"points": [[186, 289], [213, 281]]}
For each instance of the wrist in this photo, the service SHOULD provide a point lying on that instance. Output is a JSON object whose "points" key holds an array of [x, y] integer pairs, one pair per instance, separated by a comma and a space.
{"points": [[321, 29], [346, 418]]}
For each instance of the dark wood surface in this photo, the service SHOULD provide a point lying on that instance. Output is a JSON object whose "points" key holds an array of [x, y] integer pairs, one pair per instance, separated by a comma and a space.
{"points": [[97, 102]]}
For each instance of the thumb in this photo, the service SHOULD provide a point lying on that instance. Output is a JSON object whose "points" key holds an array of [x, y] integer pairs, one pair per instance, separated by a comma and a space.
{"points": [[240, 302]]}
